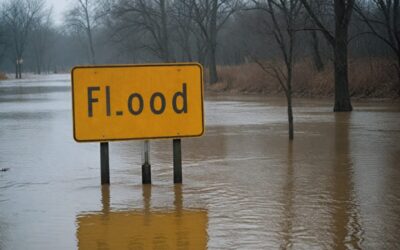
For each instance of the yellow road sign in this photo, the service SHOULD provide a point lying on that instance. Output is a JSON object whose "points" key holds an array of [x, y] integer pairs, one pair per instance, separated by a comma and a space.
{"points": [[121, 102]]}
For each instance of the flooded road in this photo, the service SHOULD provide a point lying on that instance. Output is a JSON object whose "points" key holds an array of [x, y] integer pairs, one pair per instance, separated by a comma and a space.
{"points": [[245, 185]]}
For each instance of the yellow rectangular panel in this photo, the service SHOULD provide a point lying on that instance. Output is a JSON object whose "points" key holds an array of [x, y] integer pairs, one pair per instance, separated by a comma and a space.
{"points": [[122, 102]]}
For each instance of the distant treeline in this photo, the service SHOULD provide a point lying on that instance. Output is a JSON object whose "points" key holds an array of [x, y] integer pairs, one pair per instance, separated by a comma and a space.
{"points": [[212, 32]]}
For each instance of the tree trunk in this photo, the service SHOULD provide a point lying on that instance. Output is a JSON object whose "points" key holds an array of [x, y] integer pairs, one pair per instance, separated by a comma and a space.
{"points": [[89, 34], [290, 116], [38, 65], [20, 70], [92, 54], [342, 96], [212, 66], [343, 11], [342, 19], [289, 95], [398, 73], [16, 70], [212, 44], [318, 63], [201, 52]]}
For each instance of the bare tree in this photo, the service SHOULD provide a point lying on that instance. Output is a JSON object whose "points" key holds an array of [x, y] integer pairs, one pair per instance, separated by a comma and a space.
{"points": [[41, 40], [283, 15], [149, 17], [3, 42], [185, 28], [315, 51], [18, 17], [83, 17], [321, 9], [210, 16], [338, 39], [382, 17]]}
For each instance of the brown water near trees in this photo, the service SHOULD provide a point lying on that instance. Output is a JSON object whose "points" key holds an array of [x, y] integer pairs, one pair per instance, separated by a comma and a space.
{"points": [[336, 186]]}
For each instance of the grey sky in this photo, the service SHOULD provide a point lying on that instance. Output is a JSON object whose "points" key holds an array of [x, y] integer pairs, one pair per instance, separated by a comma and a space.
{"points": [[59, 6]]}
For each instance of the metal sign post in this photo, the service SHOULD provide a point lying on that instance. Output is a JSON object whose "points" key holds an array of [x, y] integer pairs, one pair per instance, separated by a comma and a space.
{"points": [[146, 171], [177, 160], [104, 163]]}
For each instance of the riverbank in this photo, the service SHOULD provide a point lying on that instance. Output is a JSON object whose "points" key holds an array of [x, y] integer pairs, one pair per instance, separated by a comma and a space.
{"points": [[367, 79]]}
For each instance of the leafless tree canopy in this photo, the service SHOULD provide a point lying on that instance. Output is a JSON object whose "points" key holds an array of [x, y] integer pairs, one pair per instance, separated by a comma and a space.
{"points": [[18, 17], [83, 17]]}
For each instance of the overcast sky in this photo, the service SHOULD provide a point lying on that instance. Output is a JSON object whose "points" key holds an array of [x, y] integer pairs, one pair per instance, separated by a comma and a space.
{"points": [[59, 6]]}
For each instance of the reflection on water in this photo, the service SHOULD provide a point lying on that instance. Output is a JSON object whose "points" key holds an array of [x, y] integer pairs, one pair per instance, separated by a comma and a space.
{"points": [[287, 227], [336, 186], [347, 231], [143, 229]]}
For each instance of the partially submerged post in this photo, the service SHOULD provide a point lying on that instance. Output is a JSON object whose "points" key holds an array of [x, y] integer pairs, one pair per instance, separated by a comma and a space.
{"points": [[146, 171], [177, 160], [104, 163]]}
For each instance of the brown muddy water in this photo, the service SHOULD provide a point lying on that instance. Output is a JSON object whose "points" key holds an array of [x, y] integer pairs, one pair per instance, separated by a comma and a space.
{"points": [[245, 186]]}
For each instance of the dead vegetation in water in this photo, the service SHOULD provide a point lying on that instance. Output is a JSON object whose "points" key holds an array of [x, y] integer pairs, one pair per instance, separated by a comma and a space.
{"points": [[367, 78], [3, 76]]}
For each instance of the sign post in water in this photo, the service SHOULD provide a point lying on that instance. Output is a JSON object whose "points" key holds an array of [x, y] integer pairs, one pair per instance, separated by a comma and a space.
{"points": [[128, 102]]}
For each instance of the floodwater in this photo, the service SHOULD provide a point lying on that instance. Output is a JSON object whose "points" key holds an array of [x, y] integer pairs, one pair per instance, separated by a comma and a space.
{"points": [[245, 185]]}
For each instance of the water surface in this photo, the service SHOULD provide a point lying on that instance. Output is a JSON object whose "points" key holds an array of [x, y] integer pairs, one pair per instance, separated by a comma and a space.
{"points": [[245, 185]]}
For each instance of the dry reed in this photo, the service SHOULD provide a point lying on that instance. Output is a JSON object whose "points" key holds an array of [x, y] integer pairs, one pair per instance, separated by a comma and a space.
{"points": [[3, 76], [367, 78]]}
